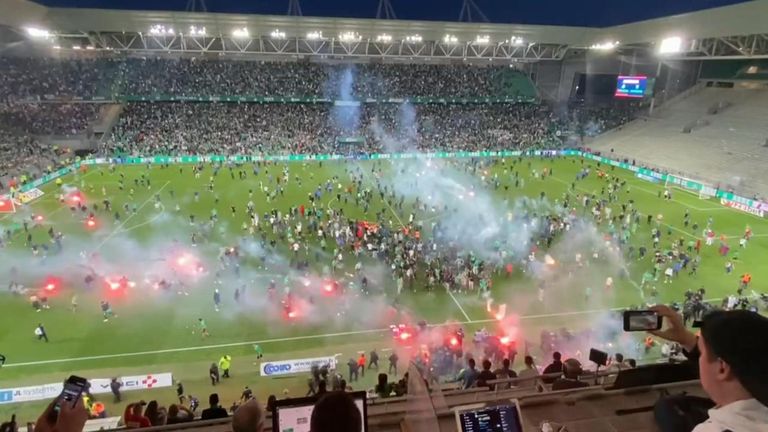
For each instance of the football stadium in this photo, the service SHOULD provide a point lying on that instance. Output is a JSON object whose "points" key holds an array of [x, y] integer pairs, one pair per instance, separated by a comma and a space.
{"points": [[454, 216]]}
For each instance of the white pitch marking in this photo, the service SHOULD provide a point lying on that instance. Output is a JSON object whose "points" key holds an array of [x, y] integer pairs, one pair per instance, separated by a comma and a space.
{"points": [[120, 227], [294, 338]]}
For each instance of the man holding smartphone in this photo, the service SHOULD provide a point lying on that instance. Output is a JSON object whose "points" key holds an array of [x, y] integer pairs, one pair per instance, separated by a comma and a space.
{"points": [[731, 352], [67, 412]]}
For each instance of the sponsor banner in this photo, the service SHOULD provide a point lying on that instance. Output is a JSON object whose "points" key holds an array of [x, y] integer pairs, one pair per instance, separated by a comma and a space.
{"points": [[743, 207], [647, 178], [138, 382], [141, 382], [287, 367], [31, 393], [98, 386], [28, 196]]}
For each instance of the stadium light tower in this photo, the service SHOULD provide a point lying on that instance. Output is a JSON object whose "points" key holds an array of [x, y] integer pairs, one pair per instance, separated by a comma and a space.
{"points": [[385, 10], [294, 8], [468, 8]]}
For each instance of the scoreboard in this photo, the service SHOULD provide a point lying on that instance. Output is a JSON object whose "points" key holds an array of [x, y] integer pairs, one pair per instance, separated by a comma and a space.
{"points": [[631, 86]]}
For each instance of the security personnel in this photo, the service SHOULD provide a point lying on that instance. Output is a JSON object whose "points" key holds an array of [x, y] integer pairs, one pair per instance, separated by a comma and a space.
{"points": [[393, 363], [361, 364], [224, 364], [374, 360]]}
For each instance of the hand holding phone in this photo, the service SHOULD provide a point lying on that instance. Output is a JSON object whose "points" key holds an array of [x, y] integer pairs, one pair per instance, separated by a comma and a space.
{"points": [[63, 417], [72, 392], [675, 330], [642, 320]]}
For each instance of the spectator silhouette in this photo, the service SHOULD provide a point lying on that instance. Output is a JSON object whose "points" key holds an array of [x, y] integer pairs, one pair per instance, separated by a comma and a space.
{"points": [[336, 412], [214, 411], [555, 367], [571, 370]]}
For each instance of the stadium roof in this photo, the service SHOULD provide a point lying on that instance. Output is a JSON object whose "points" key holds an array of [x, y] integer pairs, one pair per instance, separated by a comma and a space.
{"points": [[582, 13], [736, 21]]}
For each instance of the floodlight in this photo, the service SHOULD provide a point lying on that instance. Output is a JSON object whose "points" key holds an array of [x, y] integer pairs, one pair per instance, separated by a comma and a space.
{"points": [[450, 39], [671, 45], [605, 46], [160, 30], [349, 36], [277, 34], [315, 35], [38, 32], [517, 41], [197, 31], [383, 38], [90, 47], [482, 40], [240, 33], [414, 38], [76, 47]]}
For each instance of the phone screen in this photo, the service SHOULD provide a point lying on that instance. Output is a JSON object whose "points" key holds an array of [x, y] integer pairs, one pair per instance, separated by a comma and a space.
{"points": [[73, 390], [641, 321]]}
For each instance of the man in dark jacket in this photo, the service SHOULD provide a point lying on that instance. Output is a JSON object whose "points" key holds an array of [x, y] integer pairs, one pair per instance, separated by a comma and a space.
{"points": [[555, 367], [115, 385]]}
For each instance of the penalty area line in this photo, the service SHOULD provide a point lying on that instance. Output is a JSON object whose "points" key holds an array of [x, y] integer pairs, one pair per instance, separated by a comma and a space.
{"points": [[463, 312], [129, 217]]}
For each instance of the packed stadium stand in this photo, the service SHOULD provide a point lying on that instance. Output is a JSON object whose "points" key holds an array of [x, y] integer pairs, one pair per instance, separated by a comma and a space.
{"points": [[88, 91]]}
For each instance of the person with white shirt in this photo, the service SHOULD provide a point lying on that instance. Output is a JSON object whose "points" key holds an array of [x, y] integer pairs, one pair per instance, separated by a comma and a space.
{"points": [[731, 352], [530, 371]]}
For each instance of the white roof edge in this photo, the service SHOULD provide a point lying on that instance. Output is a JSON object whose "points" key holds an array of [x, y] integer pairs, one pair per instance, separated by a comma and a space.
{"points": [[739, 19]]}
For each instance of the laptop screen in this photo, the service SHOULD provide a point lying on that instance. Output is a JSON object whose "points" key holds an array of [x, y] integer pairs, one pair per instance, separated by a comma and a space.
{"points": [[502, 418]]}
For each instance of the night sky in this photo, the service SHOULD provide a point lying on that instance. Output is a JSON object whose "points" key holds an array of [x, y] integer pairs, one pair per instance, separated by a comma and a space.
{"points": [[592, 13]]}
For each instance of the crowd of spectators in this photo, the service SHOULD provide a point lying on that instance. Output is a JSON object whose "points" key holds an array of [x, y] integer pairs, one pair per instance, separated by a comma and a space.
{"points": [[195, 77], [246, 128], [107, 77], [591, 120], [243, 128], [47, 118], [728, 358], [48, 78], [23, 124]]}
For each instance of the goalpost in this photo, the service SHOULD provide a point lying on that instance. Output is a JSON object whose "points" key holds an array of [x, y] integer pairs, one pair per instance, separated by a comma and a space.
{"points": [[702, 191]]}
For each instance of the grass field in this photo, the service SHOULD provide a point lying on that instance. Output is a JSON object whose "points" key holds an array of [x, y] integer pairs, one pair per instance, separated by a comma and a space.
{"points": [[153, 330]]}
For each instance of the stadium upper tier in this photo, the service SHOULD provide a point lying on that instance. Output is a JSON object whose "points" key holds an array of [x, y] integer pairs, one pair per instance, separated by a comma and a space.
{"points": [[717, 135], [110, 77]]}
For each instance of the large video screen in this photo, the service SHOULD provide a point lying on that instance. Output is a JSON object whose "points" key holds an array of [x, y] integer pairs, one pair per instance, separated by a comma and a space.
{"points": [[631, 86]]}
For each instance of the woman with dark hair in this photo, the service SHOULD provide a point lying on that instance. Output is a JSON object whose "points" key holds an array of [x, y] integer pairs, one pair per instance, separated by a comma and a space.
{"points": [[154, 413], [179, 414]]}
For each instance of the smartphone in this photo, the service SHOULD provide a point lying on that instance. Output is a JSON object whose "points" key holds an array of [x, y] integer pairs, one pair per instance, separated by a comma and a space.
{"points": [[641, 320], [73, 390]]}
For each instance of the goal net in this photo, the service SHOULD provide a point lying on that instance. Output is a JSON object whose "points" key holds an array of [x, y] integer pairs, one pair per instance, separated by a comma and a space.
{"points": [[703, 191]]}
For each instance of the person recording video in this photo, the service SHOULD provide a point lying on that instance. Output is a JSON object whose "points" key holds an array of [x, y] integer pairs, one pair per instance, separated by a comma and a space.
{"points": [[731, 351]]}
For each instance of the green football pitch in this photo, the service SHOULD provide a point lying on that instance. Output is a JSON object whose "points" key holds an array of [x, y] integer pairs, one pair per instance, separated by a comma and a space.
{"points": [[154, 330]]}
